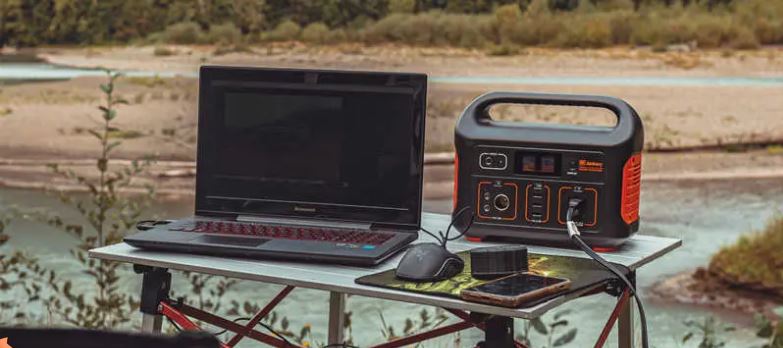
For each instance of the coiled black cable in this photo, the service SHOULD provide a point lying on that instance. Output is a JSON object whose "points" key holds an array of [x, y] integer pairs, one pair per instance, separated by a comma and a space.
{"points": [[573, 232]]}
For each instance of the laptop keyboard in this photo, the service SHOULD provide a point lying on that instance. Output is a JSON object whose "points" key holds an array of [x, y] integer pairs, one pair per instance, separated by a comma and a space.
{"points": [[287, 232]]}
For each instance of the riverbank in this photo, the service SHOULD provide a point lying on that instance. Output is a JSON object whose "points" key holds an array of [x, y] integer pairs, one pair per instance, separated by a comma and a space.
{"points": [[176, 179], [47, 122]]}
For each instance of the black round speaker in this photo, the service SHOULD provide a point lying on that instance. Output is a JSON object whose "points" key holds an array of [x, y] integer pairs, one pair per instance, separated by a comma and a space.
{"points": [[498, 261]]}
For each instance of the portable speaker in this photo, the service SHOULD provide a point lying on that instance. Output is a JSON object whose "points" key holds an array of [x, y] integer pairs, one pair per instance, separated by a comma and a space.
{"points": [[518, 177]]}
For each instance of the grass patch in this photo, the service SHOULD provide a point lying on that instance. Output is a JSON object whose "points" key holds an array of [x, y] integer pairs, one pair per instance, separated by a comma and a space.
{"points": [[224, 49], [125, 134], [775, 149], [183, 33], [147, 81], [162, 51], [754, 261]]}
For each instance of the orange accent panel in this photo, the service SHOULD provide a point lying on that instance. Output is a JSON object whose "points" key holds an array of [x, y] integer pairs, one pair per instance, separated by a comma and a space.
{"points": [[516, 200], [632, 183], [473, 239], [560, 202], [595, 204], [548, 202]]}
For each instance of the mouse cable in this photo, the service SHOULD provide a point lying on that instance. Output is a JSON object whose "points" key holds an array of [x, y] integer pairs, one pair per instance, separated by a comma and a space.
{"points": [[575, 235], [443, 239]]}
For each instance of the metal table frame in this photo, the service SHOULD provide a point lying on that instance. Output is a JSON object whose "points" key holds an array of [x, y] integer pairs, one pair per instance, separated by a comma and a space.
{"points": [[497, 322]]}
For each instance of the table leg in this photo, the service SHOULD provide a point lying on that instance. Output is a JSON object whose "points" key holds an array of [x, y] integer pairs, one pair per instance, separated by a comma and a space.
{"points": [[499, 333], [625, 324], [154, 289], [625, 327], [151, 323], [336, 318]]}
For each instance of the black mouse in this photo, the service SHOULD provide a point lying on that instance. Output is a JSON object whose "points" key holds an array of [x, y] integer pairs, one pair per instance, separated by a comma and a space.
{"points": [[429, 262]]}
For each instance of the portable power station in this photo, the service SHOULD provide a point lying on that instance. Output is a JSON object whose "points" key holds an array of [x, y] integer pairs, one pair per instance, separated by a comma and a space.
{"points": [[519, 177]]}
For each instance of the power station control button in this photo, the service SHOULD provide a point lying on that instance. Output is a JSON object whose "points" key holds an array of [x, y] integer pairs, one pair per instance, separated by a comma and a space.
{"points": [[487, 160], [500, 160], [493, 161], [486, 208]]}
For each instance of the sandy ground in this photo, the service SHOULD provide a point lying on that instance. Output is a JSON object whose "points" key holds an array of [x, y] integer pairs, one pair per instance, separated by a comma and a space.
{"points": [[45, 122]]}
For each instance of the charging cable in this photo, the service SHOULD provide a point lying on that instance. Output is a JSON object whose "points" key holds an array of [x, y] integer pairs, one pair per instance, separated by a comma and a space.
{"points": [[444, 238], [573, 213]]}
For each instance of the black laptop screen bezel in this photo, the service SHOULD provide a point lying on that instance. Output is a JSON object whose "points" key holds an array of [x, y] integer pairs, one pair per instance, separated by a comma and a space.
{"points": [[314, 80]]}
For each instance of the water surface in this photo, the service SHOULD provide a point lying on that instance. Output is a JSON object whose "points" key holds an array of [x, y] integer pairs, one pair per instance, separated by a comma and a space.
{"points": [[705, 215]]}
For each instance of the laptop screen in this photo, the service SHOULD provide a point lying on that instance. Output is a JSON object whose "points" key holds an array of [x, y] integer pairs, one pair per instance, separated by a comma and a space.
{"points": [[300, 143]]}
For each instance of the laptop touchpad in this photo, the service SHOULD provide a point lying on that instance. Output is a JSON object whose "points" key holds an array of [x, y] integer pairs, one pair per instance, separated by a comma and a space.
{"points": [[233, 241]]}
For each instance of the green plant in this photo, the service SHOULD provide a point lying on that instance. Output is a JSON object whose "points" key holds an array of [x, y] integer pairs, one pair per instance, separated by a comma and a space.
{"points": [[285, 31], [224, 34], [754, 260], [549, 330], [316, 33], [162, 51], [108, 215], [19, 272], [709, 330], [771, 331], [183, 33], [412, 326]]}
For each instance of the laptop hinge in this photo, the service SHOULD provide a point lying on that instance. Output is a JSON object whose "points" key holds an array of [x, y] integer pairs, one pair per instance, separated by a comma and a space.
{"points": [[303, 222]]}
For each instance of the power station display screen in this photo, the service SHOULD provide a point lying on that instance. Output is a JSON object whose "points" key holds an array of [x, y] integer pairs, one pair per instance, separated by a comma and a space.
{"points": [[537, 163]]}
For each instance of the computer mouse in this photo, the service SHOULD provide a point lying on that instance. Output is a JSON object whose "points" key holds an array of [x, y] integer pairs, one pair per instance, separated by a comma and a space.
{"points": [[429, 262]]}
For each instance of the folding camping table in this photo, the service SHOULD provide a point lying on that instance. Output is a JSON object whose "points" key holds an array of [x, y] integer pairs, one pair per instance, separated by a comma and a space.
{"points": [[496, 322]]}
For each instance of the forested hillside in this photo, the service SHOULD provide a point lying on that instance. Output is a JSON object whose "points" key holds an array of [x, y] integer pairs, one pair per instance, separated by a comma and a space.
{"points": [[466, 23]]}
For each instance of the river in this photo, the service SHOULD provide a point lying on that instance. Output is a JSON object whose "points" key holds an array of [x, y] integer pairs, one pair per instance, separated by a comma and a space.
{"points": [[11, 72], [706, 215]]}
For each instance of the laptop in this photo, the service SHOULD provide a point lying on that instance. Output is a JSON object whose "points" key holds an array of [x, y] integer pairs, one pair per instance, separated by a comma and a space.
{"points": [[303, 165]]}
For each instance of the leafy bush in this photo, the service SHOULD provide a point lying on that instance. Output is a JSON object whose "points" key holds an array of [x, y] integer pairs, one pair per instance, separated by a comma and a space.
{"points": [[430, 28], [585, 31], [709, 331], [754, 261], [183, 33], [224, 34], [402, 6], [744, 40], [771, 332], [285, 31], [162, 51], [316, 33]]}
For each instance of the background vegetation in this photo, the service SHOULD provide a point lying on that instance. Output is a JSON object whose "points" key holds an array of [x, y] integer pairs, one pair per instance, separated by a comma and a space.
{"points": [[497, 25]]}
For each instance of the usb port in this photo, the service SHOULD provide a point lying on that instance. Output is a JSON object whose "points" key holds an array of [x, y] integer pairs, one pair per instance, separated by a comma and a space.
{"points": [[538, 197], [536, 206], [536, 216]]}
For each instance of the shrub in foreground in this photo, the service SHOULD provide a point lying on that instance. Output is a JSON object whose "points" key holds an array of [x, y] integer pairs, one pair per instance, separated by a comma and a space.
{"points": [[754, 261]]}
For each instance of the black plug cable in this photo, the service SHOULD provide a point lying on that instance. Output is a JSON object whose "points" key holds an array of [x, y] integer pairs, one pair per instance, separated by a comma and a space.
{"points": [[444, 238], [573, 213]]}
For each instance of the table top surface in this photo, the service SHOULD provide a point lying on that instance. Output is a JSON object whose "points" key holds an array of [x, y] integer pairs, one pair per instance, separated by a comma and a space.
{"points": [[636, 252]]}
